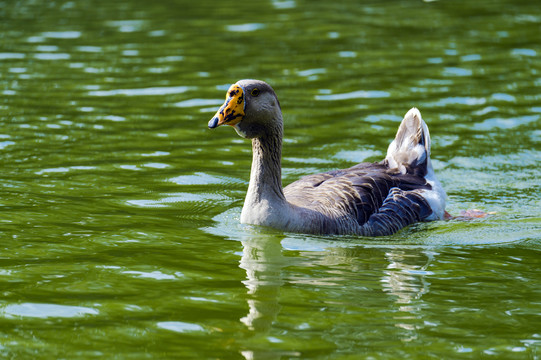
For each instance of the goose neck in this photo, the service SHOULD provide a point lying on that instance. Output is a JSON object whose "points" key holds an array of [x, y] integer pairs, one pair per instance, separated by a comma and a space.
{"points": [[266, 174]]}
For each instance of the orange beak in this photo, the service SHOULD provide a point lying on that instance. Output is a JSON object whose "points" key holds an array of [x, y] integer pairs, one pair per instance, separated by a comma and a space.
{"points": [[232, 111]]}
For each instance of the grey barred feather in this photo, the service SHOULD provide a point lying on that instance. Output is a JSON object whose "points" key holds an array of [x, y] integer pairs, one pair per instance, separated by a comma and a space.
{"points": [[368, 194], [400, 209]]}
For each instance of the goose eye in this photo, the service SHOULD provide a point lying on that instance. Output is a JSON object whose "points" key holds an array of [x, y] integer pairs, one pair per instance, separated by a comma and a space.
{"points": [[254, 92]]}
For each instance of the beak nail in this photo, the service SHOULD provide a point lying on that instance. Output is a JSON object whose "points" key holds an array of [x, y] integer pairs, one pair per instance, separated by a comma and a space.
{"points": [[213, 123]]}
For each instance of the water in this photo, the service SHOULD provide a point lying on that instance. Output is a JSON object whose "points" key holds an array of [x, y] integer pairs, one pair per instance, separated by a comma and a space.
{"points": [[119, 208]]}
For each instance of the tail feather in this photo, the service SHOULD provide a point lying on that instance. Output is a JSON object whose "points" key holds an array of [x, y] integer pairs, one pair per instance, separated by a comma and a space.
{"points": [[410, 150], [410, 153]]}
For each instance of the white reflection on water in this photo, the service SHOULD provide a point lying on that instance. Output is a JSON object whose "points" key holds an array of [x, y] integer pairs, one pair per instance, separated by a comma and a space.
{"points": [[52, 56], [524, 52], [46, 172], [8, 56], [176, 198], [284, 4], [245, 27], [151, 91], [359, 94], [406, 280], [46, 311], [263, 261], [180, 327], [127, 26], [62, 34], [197, 103], [201, 178], [156, 275]]}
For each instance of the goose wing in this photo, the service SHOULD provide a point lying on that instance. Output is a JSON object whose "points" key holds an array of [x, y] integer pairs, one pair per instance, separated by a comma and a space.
{"points": [[371, 194]]}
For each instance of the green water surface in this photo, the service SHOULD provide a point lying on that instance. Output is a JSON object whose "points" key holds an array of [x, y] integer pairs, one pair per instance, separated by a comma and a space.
{"points": [[119, 209]]}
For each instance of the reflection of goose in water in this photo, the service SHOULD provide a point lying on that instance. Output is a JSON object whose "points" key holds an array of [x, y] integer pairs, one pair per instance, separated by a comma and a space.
{"points": [[405, 278], [401, 273], [263, 261], [340, 272]]}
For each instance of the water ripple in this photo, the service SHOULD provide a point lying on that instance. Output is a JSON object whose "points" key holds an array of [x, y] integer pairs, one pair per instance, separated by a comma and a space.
{"points": [[180, 327], [197, 103], [156, 275], [46, 311], [127, 26], [460, 100], [245, 27], [359, 94], [524, 52], [457, 71], [52, 56], [502, 123], [8, 56], [62, 34], [200, 178], [4, 144], [151, 91], [180, 198]]}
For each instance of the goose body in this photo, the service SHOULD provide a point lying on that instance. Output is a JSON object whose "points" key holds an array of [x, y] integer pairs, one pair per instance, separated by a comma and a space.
{"points": [[368, 199]]}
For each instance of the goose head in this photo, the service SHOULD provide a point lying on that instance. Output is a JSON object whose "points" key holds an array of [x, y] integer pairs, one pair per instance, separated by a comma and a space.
{"points": [[251, 107]]}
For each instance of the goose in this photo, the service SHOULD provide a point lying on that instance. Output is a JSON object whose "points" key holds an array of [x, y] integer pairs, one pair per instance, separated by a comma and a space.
{"points": [[368, 199]]}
